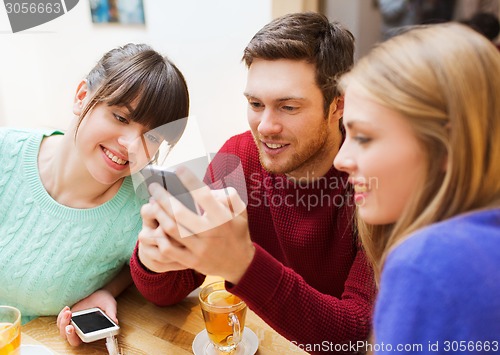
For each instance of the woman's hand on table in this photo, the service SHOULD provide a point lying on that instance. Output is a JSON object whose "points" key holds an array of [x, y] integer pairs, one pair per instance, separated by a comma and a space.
{"points": [[101, 298]]}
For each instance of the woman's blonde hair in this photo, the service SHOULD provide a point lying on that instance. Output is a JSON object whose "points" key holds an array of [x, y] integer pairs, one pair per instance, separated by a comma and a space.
{"points": [[445, 79]]}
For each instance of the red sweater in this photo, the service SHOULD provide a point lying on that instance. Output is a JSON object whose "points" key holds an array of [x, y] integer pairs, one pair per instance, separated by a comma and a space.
{"points": [[308, 280]]}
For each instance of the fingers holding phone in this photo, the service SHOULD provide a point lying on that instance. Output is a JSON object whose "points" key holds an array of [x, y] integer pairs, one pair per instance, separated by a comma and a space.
{"points": [[217, 206], [66, 330], [93, 324], [170, 182], [154, 250]]}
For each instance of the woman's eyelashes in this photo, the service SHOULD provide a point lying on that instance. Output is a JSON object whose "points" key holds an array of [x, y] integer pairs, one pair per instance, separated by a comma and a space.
{"points": [[356, 136], [360, 139], [120, 118], [152, 138]]}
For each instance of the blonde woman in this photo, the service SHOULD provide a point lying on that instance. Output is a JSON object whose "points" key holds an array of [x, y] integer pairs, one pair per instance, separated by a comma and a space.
{"points": [[422, 114]]}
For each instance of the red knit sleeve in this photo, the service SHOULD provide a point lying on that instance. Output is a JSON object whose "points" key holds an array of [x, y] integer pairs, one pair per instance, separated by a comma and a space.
{"points": [[302, 314], [166, 288]]}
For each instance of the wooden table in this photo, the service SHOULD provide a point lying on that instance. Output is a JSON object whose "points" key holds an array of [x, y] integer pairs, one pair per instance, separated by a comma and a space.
{"points": [[150, 330]]}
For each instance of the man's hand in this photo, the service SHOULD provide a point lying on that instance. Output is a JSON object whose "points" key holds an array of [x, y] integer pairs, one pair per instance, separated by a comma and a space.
{"points": [[217, 242], [154, 243]]}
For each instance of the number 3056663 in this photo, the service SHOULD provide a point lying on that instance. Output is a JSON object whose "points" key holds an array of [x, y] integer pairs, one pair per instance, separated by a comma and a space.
{"points": [[33, 8]]}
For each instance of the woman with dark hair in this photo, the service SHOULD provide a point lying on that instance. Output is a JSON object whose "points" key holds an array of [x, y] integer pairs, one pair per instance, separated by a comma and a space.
{"points": [[69, 215]]}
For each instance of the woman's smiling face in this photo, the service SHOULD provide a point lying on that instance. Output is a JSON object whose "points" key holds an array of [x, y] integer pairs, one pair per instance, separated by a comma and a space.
{"points": [[111, 146], [382, 155]]}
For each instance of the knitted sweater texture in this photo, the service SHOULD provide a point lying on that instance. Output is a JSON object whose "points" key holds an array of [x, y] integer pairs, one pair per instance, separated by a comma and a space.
{"points": [[308, 280], [440, 289], [53, 255]]}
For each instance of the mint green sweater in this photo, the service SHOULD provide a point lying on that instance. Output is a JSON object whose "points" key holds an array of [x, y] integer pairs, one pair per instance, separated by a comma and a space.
{"points": [[52, 255]]}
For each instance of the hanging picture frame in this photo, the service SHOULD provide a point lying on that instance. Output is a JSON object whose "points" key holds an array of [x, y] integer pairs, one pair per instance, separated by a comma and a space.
{"points": [[126, 12]]}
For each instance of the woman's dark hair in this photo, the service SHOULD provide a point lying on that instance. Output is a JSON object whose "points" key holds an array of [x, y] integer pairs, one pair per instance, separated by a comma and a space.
{"points": [[135, 73]]}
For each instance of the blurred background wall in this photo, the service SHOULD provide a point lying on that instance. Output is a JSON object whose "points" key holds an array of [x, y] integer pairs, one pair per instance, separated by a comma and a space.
{"points": [[40, 68]]}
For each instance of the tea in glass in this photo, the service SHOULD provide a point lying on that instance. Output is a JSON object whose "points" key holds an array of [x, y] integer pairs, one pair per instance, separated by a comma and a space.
{"points": [[10, 330], [224, 315]]}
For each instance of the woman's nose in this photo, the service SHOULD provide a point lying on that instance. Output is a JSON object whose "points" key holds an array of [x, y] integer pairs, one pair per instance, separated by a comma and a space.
{"points": [[127, 140], [131, 139], [343, 160]]}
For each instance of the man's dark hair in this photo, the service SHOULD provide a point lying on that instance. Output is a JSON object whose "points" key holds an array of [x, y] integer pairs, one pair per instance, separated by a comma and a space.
{"points": [[485, 23], [306, 36]]}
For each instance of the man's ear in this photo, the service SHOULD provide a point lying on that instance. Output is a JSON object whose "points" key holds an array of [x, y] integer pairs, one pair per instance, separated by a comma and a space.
{"points": [[336, 110], [79, 99]]}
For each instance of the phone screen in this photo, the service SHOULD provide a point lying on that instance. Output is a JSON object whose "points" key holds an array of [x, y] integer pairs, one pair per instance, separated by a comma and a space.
{"points": [[171, 183], [91, 322]]}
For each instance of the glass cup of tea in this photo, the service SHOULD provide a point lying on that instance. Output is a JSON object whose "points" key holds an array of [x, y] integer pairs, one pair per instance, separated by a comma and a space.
{"points": [[10, 330], [224, 315]]}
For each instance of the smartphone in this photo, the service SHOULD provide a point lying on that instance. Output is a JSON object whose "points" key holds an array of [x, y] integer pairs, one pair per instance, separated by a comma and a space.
{"points": [[93, 324], [171, 183]]}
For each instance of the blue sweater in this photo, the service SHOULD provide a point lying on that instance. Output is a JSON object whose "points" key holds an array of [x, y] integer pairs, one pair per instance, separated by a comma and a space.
{"points": [[52, 255], [440, 289]]}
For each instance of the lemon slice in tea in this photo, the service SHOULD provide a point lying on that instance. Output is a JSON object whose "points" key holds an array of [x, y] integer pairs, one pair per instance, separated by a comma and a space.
{"points": [[222, 298]]}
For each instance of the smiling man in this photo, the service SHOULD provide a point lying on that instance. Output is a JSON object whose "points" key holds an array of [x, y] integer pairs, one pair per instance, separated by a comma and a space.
{"points": [[295, 260], [293, 134]]}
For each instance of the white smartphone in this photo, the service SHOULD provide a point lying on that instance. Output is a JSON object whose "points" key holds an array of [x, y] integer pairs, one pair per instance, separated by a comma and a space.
{"points": [[93, 324]]}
